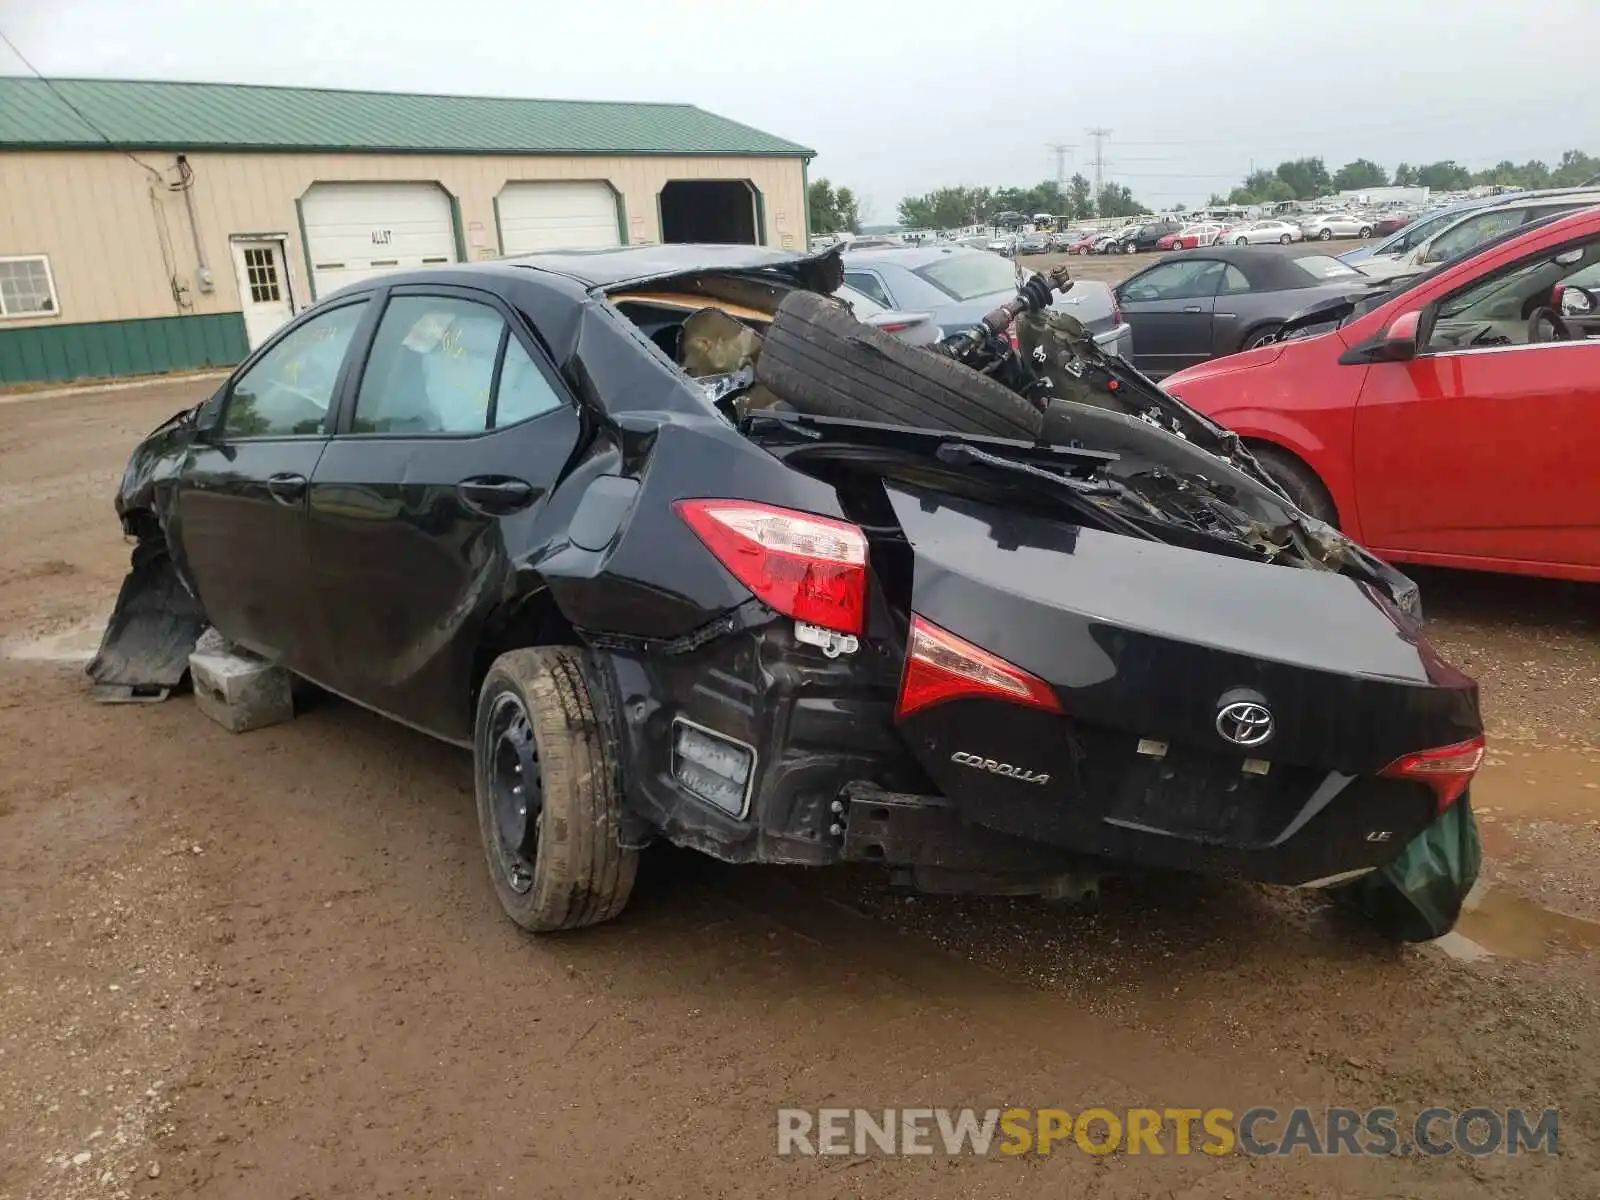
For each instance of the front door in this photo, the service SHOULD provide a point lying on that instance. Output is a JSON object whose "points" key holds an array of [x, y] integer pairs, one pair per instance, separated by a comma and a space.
{"points": [[1170, 307], [457, 432], [239, 523], [263, 287], [1483, 446]]}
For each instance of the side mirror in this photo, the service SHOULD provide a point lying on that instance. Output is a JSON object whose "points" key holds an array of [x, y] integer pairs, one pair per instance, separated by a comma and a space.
{"points": [[1398, 343], [1573, 301], [208, 417]]}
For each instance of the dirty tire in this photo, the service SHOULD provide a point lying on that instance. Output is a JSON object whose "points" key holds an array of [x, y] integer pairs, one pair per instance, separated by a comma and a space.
{"points": [[824, 362], [1260, 336], [1299, 480], [581, 875]]}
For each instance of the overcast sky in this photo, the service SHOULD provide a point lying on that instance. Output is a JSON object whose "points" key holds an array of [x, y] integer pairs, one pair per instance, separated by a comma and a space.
{"points": [[900, 98]]}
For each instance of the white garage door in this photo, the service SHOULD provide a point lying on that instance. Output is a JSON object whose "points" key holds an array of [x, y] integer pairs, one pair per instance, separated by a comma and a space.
{"points": [[557, 216], [357, 230]]}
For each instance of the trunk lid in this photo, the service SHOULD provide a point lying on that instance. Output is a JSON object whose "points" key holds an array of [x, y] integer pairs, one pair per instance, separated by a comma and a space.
{"points": [[1142, 640]]}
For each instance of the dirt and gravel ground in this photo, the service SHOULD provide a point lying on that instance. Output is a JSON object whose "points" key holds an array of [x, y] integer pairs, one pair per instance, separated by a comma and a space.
{"points": [[271, 965]]}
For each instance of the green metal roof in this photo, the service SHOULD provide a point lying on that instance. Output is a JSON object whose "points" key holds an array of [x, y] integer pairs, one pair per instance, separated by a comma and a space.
{"points": [[144, 115]]}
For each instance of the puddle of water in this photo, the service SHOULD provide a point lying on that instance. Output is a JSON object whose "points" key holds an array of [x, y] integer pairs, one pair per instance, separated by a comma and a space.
{"points": [[76, 644], [1499, 922]]}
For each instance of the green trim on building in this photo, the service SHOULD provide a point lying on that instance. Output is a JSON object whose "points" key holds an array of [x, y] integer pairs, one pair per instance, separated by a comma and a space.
{"points": [[761, 213], [99, 349], [805, 205], [135, 114], [622, 212], [456, 225], [305, 247]]}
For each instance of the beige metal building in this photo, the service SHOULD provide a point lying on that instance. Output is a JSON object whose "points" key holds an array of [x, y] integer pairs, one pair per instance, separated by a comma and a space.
{"points": [[162, 226]]}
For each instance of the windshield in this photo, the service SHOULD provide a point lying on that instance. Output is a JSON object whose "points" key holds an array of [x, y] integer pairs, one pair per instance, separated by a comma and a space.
{"points": [[1320, 266], [968, 276]]}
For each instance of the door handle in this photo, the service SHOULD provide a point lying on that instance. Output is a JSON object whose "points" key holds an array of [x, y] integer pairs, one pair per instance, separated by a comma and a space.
{"points": [[287, 489], [495, 495], [1191, 308]]}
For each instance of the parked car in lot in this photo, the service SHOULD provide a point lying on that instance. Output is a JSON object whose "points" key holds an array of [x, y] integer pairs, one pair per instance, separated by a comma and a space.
{"points": [[1189, 237], [750, 579], [1455, 238], [1006, 245], [1033, 243], [1201, 304], [1402, 241], [1259, 233], [1082, 241], [1382, 227], [1109, 241], [1148, 237], [1454, 422], [958, 287], [1327, 226]]}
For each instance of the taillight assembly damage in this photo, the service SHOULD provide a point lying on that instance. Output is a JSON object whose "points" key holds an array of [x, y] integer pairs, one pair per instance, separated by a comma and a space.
{"points": [[1448, 770], [811, 568], [940, 666]]}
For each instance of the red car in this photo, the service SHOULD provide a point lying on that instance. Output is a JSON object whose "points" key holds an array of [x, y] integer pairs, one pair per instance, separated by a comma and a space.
{"points": [[1384, 226], [1453, 423], [1085, 243], [1188, 238]]}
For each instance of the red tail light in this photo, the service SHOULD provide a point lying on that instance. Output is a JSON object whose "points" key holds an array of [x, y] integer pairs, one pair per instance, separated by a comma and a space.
{"points": [[940, 666], [896, 326], [811, 568], [1448, 770], [1011, 335]]}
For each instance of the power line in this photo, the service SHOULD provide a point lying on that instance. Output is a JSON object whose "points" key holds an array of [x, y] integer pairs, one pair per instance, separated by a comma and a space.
{"points": [[1061, 150], [81, 115], [1099, 135]]}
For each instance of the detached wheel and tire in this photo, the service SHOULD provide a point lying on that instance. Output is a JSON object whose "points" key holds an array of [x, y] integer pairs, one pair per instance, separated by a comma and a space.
{"points": [[549, 795], [1299, 481], [821, 360]]}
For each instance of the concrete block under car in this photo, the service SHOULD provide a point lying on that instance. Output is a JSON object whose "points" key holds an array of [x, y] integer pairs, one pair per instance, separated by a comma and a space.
{"points": [[239, 691]]}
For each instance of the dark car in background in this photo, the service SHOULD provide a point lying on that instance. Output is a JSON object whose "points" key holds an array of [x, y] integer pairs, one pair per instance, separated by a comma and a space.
{"points": [[957, 286], [1034, 243], [1200, 304], [1148, 237]]}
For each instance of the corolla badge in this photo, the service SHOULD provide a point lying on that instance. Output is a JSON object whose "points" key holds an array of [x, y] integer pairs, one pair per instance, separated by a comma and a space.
{"points": [[1245, 723], [994, 767]]}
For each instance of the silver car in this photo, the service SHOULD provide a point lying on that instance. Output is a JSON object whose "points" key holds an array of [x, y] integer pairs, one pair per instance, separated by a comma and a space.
{"points": [[1261, 233], [917, 329], [1327, 226], [957, 287], [1474, 228]]}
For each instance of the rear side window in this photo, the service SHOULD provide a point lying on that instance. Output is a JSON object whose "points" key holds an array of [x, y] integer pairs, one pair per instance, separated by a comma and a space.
{"points": [[868, 285], [286, 393], [431, 369]]}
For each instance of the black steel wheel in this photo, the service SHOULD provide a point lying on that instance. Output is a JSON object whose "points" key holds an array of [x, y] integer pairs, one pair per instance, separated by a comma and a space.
{"points": [[549, 792]]}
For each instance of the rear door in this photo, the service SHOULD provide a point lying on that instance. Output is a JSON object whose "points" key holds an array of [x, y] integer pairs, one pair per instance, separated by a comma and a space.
{"points": [[443, 457], [1170, 307], [240, 513], [1483, 446]]}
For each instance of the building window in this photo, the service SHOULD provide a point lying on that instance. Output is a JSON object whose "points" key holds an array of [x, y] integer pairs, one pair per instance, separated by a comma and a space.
{"points": [[26, 288], [261, 269]]}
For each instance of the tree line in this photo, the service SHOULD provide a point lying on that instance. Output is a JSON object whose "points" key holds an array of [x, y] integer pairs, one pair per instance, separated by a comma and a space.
{"points": [[952, 207], [1308, 178]]}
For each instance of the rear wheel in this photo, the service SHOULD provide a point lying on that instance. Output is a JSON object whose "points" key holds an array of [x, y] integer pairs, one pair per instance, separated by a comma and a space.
{"points": [[1260, 337], [1285, 240], [548, 791], [1325, 236], [1365, 232], [823, 361], [1299, 481], [1244, 241]]}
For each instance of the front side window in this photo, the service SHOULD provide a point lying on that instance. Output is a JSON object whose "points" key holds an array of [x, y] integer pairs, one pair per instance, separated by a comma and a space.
{"points": [[26, 287], [1185, 280], [1500, 310], [288, 390]]}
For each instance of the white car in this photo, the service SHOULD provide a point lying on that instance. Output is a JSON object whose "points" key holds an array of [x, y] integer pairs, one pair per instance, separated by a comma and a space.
{"points": [[1259, 233], [1327, 226]]}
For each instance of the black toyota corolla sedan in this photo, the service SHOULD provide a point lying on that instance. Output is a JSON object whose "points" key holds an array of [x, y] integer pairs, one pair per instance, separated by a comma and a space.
{"points": [[558, 510], [1195, 305]]}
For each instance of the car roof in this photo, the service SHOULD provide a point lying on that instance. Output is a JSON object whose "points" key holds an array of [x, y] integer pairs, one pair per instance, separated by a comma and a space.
{"points": [[620, 264], [1267, 268], [911, 257]]}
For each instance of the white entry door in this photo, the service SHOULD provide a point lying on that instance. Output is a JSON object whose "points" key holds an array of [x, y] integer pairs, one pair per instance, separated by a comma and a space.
{"points": [[263, 287], [557, 215], [355, 231]]}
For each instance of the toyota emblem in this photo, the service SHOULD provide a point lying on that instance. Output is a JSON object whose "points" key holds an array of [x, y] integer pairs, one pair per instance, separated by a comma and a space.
{"points": [[1245, 723]]}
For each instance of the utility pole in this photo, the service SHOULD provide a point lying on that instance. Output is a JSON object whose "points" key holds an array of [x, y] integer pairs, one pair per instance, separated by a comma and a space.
{"points": [[1099, 135], [1061, 150]]}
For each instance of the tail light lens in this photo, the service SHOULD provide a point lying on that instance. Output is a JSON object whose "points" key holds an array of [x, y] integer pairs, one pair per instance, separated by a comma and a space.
{"points": [[811, 568], [1011, 335], [940, 666], [1448, 770]]}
